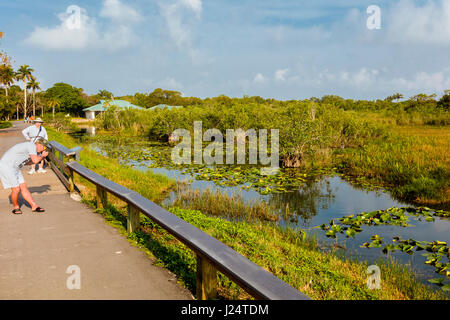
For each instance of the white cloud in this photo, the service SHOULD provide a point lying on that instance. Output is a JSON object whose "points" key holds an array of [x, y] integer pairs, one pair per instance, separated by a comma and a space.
{"points": [[280, 75], [177, 16], [114, 9], [170, 84], [87, 34], [426, 24], [423, 81], [259, 78], [63, 36], [195, 5]]}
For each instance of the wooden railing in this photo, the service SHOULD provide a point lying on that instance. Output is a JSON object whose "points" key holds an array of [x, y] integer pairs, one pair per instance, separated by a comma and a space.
{"points": [[212, 255]]}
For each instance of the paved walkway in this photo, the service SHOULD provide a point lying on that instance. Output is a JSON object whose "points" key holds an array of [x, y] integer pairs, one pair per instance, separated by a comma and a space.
{"points": [[37, 249]]}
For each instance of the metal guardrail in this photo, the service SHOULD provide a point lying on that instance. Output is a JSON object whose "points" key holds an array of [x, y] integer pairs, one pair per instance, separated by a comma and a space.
{"points": [[212, 255]]}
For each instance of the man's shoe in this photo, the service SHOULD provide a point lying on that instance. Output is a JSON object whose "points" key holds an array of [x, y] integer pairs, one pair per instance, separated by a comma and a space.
{"points": [[32, 171], [41, 170]]}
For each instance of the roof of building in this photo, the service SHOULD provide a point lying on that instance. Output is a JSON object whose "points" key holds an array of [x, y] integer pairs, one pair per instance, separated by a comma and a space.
{"points": [[104, 104], [162, 106]]}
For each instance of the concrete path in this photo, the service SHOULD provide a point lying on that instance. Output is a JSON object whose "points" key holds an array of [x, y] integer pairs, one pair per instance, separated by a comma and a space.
{"points": [[42, 255]]}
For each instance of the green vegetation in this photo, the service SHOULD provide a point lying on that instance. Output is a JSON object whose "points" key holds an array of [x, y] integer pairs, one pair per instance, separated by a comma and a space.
{"points": [[412, 163], [351, 225], [232, 207], [398, 146], [5, 124], [70, 98], [321, 273], [295, 257], [152, 186]]}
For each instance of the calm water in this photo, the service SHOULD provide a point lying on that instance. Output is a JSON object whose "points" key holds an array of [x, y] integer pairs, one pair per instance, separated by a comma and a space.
{"points": [[317, 202]]}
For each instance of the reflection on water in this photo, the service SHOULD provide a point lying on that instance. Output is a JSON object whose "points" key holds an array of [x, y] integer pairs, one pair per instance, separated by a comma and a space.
{"points": [[90, 131], [305, 202], [86, 130]]}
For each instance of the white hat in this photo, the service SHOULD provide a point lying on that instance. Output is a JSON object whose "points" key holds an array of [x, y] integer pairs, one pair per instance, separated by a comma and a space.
{"points": [[38, 120]]}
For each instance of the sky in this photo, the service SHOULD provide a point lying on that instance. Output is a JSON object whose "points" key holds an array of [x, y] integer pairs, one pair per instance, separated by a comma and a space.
{"points": [[282, 49]]}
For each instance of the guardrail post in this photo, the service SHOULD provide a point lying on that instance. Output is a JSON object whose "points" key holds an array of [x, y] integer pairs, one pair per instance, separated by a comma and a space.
{"points": [[70, 176], [206, 285], [71, 182], [133, 220], [102, 197]]}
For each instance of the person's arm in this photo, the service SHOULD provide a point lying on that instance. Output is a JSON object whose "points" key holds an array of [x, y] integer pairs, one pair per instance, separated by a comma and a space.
{"points": [[45, 135], [36, 159], [25, 133]]}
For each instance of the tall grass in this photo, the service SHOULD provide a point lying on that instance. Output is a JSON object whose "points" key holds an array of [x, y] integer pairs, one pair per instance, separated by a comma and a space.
{"points": [[220, 204], [413, 163]]}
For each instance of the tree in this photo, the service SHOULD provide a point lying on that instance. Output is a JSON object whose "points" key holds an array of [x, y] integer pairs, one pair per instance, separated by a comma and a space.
{"points": [[70, 98], [6, 77], [23, 74], [160, 96], [421, 102], [396, 96], [444, 102], [33, 85], [105, 95], [53, 103], [15, 99]]}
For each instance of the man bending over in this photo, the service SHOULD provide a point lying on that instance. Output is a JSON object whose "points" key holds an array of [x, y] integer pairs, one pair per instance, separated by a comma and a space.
{"points": [[10, 175]]}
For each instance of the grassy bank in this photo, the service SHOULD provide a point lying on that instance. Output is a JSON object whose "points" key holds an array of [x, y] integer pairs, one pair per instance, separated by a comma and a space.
{"points": [[295, 258]]}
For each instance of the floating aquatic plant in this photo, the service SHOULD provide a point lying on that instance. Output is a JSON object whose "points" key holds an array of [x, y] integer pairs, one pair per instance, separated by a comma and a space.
{"points": [[351, 225], [436, 251]]}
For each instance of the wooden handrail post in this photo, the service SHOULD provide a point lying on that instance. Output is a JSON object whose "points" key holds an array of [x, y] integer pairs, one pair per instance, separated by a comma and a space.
{"points": [[71, 182], [102, 197], [133, 219], [70, 176], [206, 285]]}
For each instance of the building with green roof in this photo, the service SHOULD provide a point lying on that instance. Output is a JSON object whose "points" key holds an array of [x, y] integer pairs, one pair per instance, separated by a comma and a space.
{"points": [[91, 112], [163, 106]]}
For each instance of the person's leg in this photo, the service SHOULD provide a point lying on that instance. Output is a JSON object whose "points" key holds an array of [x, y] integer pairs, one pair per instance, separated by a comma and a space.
{"points": [[26, 195], [41, 167], [15, 197]]}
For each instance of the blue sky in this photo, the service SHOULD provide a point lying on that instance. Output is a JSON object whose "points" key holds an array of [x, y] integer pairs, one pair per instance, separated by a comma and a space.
{"points": [[276, 49]]}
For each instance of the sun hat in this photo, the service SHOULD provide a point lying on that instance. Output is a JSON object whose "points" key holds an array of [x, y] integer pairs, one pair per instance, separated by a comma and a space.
{"points": [[40, 140], [38, 120]]}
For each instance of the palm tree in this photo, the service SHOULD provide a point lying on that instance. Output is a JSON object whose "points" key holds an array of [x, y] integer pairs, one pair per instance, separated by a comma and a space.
{"points": [[34, 85], [52, 104], [398, 96], [6, 77], [24, 74]]}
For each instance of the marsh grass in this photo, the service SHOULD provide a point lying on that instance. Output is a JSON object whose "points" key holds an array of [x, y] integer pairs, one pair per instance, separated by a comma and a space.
{"points": [[413, 164], [219, 203]]}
